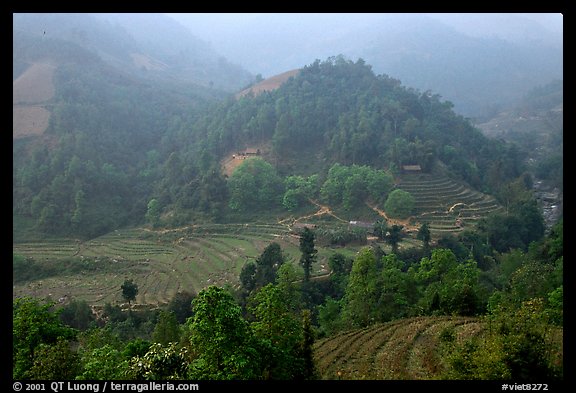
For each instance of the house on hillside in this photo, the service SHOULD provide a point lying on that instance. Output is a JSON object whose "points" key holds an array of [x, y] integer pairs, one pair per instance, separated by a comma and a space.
{"points": [[411, 168], [250, 152], [361, 224]]}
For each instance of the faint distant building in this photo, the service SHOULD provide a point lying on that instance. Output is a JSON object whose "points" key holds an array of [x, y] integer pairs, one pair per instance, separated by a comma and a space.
{"points": [[250, 152], [361, 224], [411, 168]]}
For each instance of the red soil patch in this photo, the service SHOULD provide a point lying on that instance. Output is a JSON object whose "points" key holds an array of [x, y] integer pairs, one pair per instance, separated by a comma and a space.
{"points": [[35, 85], [234, 159], [29, 120], [268, 84], [31, 89]]}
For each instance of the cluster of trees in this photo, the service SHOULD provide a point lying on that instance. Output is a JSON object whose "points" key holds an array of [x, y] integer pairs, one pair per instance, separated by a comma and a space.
{"points": [[216, 341], [255, 184]]}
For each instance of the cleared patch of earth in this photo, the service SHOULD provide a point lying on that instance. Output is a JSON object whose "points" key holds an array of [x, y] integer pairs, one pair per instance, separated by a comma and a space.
{"points": [[30, 91], [148, 63], [29, 120], [269, 84]]}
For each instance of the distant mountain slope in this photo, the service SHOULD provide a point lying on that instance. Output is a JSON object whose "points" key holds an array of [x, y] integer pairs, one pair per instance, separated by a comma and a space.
{"points": [[29, 92], [477, 71], [150, 46], [268, 84]]}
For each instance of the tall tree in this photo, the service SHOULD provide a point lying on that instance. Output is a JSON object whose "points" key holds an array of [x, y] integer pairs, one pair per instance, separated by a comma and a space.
{"points": [[393, 237], [167, 329], [424, 235], [362, 291], [129, 290], [279, 329], [307, 346], [221, 341], [267, 264], [308, 252]]}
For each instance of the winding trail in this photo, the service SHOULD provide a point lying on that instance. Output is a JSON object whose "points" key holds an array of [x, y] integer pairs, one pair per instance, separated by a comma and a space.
{"points": [[394, 221], [322, 210]]}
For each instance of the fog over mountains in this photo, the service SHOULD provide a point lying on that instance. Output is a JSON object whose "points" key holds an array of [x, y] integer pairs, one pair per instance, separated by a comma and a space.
{"points": [[480, 62]]}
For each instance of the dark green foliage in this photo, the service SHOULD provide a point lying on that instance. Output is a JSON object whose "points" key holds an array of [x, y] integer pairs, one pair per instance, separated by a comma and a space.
{"points": [[351, 186], [153, 212], [255, 185], [167, 329], [308, 252], [306, 349], [35, 328], [279, 328], [380, 229], [299, 190], [221, 342], [341, 235], [55, 362], [362, 292], [267, 264], [248, 276], [181, 306], [400, 204], [393, 236], [103, 363], [77, 314], [520, 346], [129, 290], [159, 363], [424, 235], [340, 266]]}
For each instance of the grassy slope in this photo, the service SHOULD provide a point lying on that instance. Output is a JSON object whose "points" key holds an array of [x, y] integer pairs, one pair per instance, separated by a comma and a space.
{"points": [[404, 349]]}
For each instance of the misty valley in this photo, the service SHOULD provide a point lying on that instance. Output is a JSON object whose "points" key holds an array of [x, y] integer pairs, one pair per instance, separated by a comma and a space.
{"points": [[179, 216]]}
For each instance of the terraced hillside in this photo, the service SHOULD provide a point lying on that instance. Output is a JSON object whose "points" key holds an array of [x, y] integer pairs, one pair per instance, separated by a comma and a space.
{"points": [[445, 204], [160, 262], [403, 349]]}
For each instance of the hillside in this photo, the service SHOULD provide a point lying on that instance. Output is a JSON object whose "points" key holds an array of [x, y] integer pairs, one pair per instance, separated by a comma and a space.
{"points": [[268, 84], [535, 124], [477, 61], [446, 205], [177, 141], [30, 91], [171, 54], [165, 227], [407, 349]]}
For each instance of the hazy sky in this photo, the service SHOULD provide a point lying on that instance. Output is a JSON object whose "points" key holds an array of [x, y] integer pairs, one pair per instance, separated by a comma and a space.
{"points": [[241, 36]]}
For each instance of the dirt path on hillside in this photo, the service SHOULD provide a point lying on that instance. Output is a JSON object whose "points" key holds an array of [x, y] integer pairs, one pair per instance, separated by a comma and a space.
{"points": [[394, 221], [322, 210]]}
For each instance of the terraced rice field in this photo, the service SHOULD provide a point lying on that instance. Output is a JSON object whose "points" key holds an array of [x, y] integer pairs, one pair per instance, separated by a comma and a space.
{"points": [[446, 205], [403, 349], [162, 263]]}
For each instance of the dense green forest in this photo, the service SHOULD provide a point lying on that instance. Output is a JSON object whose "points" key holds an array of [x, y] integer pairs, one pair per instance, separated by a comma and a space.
{"points": [[117, 145]]}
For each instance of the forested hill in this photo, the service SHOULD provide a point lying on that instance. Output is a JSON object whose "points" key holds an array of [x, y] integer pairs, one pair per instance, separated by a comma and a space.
{"points": [[339, 111], [123, 154]]}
